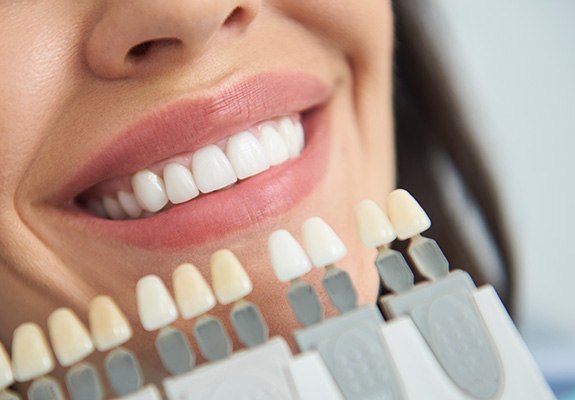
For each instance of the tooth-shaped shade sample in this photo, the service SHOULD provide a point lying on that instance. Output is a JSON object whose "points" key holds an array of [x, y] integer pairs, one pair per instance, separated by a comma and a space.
{"points": [[246, 155], [322, 244], [31, 356], [193, 295], [212, 169], [113, 208], [6, 375], [373, 225], [293, 135], [288, 257], [180, 184], [406, 215], [149, 190], [273, 144], [70, 339], [229, 279], [129, 204], [108, 325], [155, 305]]}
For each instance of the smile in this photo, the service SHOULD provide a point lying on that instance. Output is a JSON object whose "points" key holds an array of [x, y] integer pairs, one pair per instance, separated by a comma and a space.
{"points": [[211, 168], [202, 168]]}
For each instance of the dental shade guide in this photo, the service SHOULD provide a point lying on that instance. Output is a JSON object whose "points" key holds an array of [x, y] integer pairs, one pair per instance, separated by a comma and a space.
{"points": [[260, 370], [350, 344], [376, 231], [290, 262], [231, 284], [6, 376], [33, 360], [72, 343], [456, 337]]}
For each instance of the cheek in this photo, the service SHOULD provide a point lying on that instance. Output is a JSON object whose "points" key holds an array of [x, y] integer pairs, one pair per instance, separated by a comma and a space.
{"points": [[38, 52]]}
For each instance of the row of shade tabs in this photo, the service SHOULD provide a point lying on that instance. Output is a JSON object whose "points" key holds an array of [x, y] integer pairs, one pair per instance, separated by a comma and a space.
{"points": [[109, 330]]}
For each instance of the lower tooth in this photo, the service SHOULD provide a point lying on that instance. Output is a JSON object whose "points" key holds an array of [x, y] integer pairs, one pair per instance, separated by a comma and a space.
{"points": [[113, 208]]}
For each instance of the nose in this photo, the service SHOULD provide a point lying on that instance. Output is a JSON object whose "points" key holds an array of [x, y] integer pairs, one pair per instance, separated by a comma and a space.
{"points": [[133, 37]]}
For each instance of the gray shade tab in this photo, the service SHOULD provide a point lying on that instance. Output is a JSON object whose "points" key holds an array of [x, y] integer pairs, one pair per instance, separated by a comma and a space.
{"points": [[339, 288], [212, 338], [305, 303], [249, 324], [428, 258], [393, 270], [84, 383], [123, 371], [175, 352], [46, 388]]}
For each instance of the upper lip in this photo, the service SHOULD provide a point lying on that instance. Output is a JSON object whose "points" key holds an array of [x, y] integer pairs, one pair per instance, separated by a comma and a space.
{"points": [[187, 124]]}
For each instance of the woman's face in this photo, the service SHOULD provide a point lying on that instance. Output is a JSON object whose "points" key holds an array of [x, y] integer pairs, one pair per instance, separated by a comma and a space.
{"points": [[91, 92]]}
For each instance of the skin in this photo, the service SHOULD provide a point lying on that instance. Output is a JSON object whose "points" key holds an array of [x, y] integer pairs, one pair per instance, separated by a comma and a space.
{"points": [[67, 87]]}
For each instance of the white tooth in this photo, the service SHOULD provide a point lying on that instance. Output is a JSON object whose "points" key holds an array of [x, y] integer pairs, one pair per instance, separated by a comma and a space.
{"points": [[373, 225], [212, 169], [406, 215], [292, 135], [288, 257], [229, 279], [129, 204], [97, 208], [246, 155], [70, 339], [108, 325], [180, 184], [273, 144], [6, 375], [155, 305], [193, 295], [323, 245], [113, 208], [31, 356], [149, 190], [300, 135]]}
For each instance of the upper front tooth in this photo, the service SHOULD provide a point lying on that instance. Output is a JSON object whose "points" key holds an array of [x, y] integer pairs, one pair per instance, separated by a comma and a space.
{"points": [[212, 169], [273, 144], [31, 356], [149, 190], [246, 155], [180, 184], [129, 204], [293, 135]]}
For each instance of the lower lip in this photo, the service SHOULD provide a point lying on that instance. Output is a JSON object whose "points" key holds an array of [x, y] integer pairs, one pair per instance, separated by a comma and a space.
{"points": [[225, 212]]}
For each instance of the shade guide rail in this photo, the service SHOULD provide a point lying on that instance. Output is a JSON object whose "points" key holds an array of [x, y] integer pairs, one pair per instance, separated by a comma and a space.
{"points": [[443, 338]]}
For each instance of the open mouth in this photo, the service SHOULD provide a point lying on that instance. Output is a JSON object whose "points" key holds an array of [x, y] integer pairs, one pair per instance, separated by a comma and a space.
{"points": [[202, 168], [211, 168]]}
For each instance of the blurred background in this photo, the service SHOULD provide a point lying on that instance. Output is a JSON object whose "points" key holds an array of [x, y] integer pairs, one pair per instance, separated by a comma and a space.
{"points": [[500, 75]]}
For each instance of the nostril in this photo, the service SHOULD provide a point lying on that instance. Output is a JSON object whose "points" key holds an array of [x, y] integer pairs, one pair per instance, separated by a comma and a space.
{"points": [[143, 49], [235, 16]]}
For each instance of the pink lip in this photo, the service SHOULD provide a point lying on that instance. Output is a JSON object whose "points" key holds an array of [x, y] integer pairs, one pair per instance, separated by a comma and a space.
{"points": [[189, 124]]}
